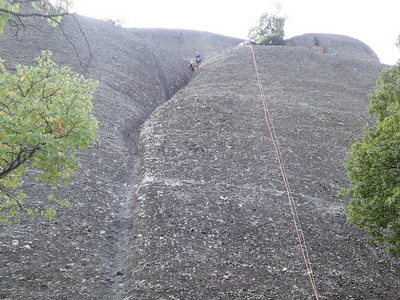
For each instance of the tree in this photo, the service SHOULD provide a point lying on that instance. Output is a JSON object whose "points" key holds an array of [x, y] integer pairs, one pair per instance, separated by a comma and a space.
{"points": [[52, 11], [115, 22], [269, 30], [373, 165], [398, 42], [44, 120]]}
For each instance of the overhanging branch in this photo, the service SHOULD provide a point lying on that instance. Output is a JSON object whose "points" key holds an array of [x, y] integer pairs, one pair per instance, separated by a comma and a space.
{"points": [[33, 14]]}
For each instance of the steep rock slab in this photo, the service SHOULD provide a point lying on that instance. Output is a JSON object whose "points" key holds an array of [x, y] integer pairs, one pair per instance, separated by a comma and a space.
{"points": [[211, 218], [184, 43], [77, 255]]}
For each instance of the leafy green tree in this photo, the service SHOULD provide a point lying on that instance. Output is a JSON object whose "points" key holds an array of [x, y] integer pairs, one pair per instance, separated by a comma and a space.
{"points": [[115, 22], [53, 11], [269, 30], [373, 165], [44, 120]]}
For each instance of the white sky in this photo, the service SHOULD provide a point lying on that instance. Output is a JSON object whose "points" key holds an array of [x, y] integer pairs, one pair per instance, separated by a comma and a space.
{"points": [[376, 23]]}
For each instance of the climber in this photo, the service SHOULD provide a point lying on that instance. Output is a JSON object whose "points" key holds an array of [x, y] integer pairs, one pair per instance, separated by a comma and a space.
{"points": [[246, 43], [198, 57], [192, 65]]}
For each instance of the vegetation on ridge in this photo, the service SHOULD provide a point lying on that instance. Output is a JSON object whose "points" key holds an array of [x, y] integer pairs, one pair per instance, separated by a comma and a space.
{"points": [[269, 30]]}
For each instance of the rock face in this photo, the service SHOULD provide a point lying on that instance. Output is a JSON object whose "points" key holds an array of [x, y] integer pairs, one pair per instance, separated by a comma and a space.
{"points": [[211, 215], [335, 45], [80, 254], [185, 43], [194, 207]]}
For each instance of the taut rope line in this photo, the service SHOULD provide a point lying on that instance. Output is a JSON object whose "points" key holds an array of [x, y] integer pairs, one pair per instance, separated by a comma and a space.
{"points": [[295, 216]]}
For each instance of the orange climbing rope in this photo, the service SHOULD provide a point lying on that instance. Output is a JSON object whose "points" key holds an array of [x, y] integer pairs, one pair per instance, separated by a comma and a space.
{"points": [[295, 216]]}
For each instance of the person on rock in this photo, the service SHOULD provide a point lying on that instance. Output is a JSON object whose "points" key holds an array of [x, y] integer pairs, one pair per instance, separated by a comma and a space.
{"points": [[192, 65], [198, 57]]}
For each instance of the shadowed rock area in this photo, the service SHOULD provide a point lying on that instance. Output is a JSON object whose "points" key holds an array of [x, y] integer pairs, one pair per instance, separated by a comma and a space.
{"points": [[194, 206], [78, 256]]}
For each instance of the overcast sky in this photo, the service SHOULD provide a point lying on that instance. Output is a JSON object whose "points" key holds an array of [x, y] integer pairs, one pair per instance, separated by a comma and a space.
{"points": [[376, 23]]}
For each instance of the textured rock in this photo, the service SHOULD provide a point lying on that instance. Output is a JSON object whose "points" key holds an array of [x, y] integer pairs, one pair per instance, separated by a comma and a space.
{"points": [[185, 43], [211, 216], [77, 256], [202, 214], [80, 255], [334, 44]]}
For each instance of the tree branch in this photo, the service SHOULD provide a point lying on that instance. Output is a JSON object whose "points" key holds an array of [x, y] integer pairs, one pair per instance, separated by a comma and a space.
{"points": [[33, 14], [23, 155]]}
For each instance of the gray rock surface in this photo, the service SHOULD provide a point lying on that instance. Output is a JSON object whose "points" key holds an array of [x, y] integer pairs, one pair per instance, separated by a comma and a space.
{"points": [[77, 256], [197, 210], [334, 44], [211, 216], [185, 43]]}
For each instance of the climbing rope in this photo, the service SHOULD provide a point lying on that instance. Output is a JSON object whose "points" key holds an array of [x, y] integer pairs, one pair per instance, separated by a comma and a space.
{"points": [[292, 204]]}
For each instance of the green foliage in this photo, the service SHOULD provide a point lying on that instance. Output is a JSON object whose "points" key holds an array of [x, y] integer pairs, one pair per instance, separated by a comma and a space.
{"points": [[6, 7], [269, 30], [44, 119], [115, 22], [373, 165], [398, 42], [52, 11]]}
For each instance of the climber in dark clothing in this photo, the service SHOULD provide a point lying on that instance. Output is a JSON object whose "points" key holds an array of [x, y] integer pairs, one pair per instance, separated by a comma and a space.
{"points": [[198, 57]]}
